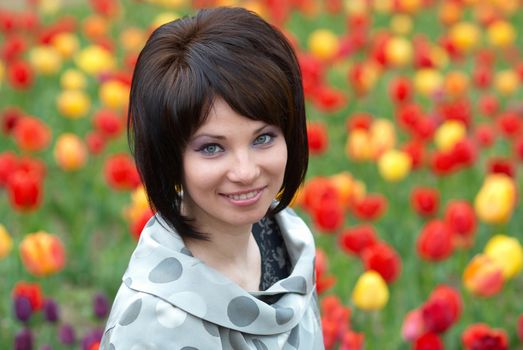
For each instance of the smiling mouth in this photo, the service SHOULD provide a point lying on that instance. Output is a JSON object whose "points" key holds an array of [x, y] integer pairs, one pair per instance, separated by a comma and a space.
{"points": [[244, 195]]}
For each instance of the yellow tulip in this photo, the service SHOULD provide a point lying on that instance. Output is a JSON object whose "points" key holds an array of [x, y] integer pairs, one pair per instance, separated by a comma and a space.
{"points": [[428, 81], [323, 44], [6, 242], [95, 60], [401, 24], [73, 104], [114, 94], [507, 253], [448, 134], [370, 292], [132, 39], [506, 82], [66, 44], [399, 51], [358, 145], [45, 60], [382, 136], [496, 199], [73, 79], [357, 7], [501, 34], [465, 35], [139, 203], [42, 253], [164, 17], [2, 72], [70, 152], [394, 165]]}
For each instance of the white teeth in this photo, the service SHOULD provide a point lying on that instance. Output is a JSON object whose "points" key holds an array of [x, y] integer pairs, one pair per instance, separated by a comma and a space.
{"points": [[243, 196]]}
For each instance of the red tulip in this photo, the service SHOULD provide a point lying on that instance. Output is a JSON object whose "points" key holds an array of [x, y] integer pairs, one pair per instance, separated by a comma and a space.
{"points": [[317, 191], [121, 173], [412, 327], [371, 207], [66, 23], [335, 320], [501, 166], [25, 190], [482, 76], [510, 124], [8, 165], [425, 200], [31, 291], [416, 151], [317, 137], [31, 134], [424, 129], [138, 225], [488, 105], [484, 135], [435, 241], [408, 116], [460, 217], [359, 121], [10, 117], [383, 259], [329, 216], [107, 8], [33, 165], [324, 281], [480, 336], [518, 148], [20, 75], [459, 110], [328, 99], [464, 152], [356, 239], [108, 123], [428, 341], [13, 48], [95, 142], [312, 72], [443, 163], [400, 90], [442, 309], [352, 340]]}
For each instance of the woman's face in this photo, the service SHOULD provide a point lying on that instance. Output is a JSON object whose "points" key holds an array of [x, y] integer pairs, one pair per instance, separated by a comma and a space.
{"points": [[233, 169]]}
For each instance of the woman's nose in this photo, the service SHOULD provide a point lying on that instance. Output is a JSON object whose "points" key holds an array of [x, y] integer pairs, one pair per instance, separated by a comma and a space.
{"points": [[244, 168]]}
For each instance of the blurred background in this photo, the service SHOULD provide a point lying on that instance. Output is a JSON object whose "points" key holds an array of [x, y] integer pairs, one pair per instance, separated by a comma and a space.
{"points": [[415, 125]]}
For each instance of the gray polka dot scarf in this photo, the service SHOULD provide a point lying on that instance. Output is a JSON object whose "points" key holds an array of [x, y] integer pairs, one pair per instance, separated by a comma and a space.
{"points": [[171, 300]]}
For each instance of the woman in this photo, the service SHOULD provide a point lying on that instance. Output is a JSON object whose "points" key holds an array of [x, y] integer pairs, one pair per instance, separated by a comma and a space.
{"points": [[217, 127]]}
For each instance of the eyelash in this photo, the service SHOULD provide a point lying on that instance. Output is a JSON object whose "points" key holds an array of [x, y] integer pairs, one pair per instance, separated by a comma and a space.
{"points": [[204, 149]]}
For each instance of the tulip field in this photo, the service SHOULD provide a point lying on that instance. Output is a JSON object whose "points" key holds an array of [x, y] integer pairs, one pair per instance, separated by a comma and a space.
{"points": [[415, 126]]}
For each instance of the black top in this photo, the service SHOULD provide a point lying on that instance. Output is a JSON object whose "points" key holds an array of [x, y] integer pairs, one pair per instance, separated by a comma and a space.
{"points": [[275, 262]]}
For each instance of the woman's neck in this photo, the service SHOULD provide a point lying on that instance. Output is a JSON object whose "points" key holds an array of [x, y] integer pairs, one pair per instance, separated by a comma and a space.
{"points": [[235, 254]]}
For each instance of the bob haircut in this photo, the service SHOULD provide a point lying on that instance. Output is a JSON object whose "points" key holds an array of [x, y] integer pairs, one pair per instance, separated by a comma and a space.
{"points": [[229, 53]]}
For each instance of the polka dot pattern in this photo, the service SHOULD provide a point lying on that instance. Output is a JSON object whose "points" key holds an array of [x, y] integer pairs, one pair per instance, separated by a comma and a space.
{"points": [[168, 315], [174, 297], [242, 311], [296, 284], [131, 313], [168, 270], [284, 315], [151, 222]]}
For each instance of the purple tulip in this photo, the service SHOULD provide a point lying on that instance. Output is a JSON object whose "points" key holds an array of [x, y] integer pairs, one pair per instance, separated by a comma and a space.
{"points": [[100, 306], [22, 308], [94, 336], [66, 334], [51, 312], [24, 340]]}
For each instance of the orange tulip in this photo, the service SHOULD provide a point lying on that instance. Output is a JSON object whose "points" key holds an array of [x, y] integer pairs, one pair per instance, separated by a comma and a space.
{"points": [[43, 254], [483, 276]]}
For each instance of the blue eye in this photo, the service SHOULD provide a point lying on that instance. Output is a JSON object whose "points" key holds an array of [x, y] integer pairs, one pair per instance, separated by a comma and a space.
{"points": [[210, 149], [264, 139]]}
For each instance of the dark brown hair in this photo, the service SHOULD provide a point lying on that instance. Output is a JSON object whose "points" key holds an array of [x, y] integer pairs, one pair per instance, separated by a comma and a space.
{"points": [[229, 53]]}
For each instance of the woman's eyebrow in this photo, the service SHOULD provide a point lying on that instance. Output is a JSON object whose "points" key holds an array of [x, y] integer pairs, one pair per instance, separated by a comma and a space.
{"points": [[221, 137]]}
